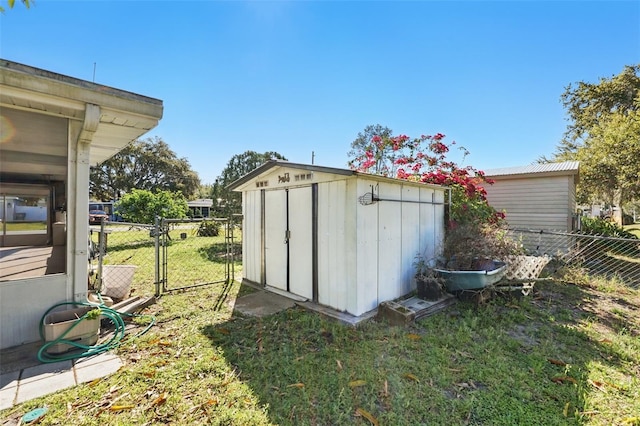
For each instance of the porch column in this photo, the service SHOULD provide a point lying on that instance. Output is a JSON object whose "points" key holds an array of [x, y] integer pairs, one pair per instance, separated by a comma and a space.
{"points": [[81, 206]]}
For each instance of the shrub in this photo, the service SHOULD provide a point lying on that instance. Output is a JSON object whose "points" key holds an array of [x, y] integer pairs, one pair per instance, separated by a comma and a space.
{"points": [[208, 228], [603, 227]]}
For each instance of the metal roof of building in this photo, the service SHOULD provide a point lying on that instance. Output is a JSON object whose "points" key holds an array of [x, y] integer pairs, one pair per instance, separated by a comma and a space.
{"points": [[563, 168]]}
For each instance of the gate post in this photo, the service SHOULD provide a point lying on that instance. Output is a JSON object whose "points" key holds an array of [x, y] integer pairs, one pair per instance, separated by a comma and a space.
{"points": [[156, 234]]}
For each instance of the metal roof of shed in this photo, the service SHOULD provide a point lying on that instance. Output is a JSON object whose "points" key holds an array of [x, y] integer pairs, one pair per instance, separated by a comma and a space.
{"points": [[313, 168], [543, 169]]}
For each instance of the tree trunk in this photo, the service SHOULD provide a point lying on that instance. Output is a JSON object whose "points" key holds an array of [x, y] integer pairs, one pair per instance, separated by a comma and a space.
{"points": [[616, 208]]}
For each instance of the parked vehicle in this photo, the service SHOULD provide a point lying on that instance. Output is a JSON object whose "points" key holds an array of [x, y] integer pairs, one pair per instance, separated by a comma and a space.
{"points": [[96, 217]]}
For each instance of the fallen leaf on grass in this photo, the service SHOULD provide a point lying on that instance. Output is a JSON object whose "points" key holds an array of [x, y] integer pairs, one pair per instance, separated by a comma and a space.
{"points": [[164, 343], [412, 377], [339, 364], [223, 330], [556, 362], [564, 379], [634, 421], [357, 383], [121, 407], [565, 412], [367, 415], [160, 400], [296, 385], [596, 384], [605, 341], [413, 336]]}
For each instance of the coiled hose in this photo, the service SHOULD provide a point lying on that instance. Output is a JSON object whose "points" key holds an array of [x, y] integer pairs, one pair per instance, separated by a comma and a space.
{"points": [[88, 350]]}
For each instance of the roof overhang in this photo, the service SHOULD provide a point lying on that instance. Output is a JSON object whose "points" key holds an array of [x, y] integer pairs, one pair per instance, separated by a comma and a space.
{"points": [[267, 167], [111, 118]]}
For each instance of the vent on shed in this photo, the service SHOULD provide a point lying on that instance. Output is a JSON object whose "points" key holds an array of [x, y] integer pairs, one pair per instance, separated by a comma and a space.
{"points": [[262, 183], [303, 176]]}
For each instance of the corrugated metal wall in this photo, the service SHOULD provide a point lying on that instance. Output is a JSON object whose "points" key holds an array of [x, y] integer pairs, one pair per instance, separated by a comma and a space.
{"points": [[536, 202]]}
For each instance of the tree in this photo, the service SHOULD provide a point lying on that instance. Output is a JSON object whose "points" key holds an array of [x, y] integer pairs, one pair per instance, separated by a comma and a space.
{"points": [[142, 206], [26, 3], [363, 144], [144, 164], [610, 161], [424, 159], [603, 134], [228, 202]]}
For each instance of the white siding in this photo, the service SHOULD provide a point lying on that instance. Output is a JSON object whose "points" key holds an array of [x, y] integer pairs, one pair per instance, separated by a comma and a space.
{"points": [[535, 202], [251, 235], [334, 277], [21, 325], [366, 252], [390, 243]]}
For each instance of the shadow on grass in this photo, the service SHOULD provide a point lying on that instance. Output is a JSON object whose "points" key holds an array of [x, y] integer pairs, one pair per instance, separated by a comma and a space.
{"points": [[506, 362]]}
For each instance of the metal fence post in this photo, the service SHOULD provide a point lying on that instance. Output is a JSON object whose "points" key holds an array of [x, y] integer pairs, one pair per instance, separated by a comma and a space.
{"points": [[156, 234]]}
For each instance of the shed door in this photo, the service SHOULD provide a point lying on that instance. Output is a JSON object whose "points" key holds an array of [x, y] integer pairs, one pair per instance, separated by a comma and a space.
{"points": [[288, 240]]}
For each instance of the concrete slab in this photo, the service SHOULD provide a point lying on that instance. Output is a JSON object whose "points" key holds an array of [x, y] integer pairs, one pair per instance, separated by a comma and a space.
{"points": [[45, 385], [102, 366], [7, 396], [262, 303], [42, 371], [9, 380]]}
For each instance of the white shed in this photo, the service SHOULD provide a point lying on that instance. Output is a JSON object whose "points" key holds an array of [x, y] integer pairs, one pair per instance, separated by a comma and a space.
{"points": [[53, 128], [537, 197], [342, 239]]}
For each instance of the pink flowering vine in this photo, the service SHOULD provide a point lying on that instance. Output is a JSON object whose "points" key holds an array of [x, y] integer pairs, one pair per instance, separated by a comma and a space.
{"points": [[424, 159]]}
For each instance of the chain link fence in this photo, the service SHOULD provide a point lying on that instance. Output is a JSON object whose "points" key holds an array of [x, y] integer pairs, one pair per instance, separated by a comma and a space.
{"points": [[198, 252], [130, 259], [599, 255]]}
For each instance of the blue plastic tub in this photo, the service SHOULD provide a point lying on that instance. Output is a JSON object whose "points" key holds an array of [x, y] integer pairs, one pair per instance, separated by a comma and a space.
{"points": [[472, 280]]}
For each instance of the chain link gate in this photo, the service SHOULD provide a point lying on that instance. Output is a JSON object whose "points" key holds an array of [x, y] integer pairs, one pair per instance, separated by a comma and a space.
{"points": [[194, 252]]}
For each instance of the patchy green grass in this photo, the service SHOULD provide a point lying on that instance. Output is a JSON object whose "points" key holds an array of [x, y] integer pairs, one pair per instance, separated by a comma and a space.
{"points": [[25, 226], [570, 354], [634, 229]]}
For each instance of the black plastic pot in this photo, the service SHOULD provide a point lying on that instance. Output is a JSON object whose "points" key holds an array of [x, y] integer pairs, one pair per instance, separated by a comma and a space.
{"points": [[429, 289]]}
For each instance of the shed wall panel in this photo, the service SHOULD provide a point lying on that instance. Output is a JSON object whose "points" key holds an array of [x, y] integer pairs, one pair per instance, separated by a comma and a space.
{"points": [[389, 229], [410, 236], [251, 235], [333, 276], [366, 251]]}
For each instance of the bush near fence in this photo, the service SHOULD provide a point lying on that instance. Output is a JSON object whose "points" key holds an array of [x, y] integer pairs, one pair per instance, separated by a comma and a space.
{"points": [[598, 255]]}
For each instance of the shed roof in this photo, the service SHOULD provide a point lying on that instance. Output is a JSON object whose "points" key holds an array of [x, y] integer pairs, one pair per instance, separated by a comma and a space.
{"points": [[313, 168], [544, 169]]}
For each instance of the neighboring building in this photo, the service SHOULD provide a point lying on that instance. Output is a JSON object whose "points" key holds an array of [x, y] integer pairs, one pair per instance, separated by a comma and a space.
{"points": [[200, 207], [538, 196], [339, 238], [54, 127]]}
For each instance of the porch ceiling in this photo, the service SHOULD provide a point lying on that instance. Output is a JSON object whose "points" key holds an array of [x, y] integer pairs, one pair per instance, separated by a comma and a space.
{"points": [[124, 116]]}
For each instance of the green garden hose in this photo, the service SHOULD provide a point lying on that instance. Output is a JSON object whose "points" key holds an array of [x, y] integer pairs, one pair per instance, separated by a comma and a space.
{"points": [[88, 350]]}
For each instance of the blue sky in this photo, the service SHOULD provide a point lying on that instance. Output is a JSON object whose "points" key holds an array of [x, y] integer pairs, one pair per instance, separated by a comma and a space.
{"points": [[298, 77]]}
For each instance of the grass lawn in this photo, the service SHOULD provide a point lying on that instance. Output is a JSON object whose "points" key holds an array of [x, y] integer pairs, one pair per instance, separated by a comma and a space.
{"points": [[569, 354], [635, 229]]}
